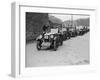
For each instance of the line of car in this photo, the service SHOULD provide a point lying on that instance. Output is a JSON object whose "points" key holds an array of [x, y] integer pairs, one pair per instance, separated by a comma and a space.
{"points": [[55, 37]]}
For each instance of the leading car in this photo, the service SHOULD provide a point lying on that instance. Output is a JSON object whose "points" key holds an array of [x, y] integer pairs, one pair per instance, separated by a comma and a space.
{"points": [[51, 39]]}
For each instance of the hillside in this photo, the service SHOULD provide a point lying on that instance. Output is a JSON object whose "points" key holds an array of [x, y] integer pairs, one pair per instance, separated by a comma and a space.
{"points": [[78, 22], [54, 19]]}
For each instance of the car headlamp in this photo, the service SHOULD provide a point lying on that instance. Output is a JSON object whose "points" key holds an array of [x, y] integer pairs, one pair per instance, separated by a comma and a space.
{"points": [[51, 36], [46, 36], [39, 37]]}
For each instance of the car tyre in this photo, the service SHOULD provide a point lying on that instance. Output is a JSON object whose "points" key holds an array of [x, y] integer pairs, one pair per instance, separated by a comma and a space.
{"points": [[61, 42], [38, 45], [55, 45]]}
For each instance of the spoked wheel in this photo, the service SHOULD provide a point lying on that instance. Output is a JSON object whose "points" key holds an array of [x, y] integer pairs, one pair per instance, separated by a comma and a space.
{"points": [[38, 45]]}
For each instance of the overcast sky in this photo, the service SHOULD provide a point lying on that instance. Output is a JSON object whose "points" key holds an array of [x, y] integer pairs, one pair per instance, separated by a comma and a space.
{"points": [[68, 17]]}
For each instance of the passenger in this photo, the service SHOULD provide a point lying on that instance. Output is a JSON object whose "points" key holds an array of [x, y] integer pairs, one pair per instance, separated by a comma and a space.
{"points": [[46, 29]]}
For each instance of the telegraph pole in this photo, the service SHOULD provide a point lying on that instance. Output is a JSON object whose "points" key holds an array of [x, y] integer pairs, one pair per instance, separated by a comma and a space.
{"points": [[72, 20]]}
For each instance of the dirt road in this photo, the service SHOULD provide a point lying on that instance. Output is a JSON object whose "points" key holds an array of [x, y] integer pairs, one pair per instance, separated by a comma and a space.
{"points": [[73, 52]]}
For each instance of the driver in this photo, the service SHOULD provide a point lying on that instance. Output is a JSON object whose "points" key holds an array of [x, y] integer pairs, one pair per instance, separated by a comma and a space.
{"points": [[46, 29]]}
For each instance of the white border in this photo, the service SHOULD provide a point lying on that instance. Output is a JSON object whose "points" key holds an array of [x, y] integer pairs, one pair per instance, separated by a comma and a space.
{"points": [[20, 69]]}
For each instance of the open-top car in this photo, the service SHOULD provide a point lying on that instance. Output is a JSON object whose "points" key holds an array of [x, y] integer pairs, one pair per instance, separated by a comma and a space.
{"points": [[82, 30], [72, 31], [65, 33], [51, 39]]}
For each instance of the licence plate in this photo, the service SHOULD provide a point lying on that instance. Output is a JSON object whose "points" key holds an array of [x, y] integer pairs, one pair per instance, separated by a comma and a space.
{"points": [[46, 44]]}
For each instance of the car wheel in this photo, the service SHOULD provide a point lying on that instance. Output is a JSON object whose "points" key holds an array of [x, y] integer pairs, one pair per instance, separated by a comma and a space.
{"points": [[61, 43], [38, 45], [55, 46]]}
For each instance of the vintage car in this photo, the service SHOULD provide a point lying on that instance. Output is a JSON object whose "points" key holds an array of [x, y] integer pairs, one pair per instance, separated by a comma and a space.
{"points": [[65, 34], [72, 31], [83, 30], [51, 40]]}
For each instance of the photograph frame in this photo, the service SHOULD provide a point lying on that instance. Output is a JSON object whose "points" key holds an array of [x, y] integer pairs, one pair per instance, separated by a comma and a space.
{"points": [[17, 67]]}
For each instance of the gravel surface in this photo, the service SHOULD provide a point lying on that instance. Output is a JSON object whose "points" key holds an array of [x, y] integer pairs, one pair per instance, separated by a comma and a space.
{"points": [[74, 51]]}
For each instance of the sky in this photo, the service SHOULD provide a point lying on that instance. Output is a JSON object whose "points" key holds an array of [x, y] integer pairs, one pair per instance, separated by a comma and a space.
{"points": [[68, 17]]}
